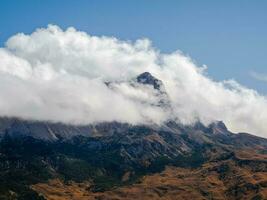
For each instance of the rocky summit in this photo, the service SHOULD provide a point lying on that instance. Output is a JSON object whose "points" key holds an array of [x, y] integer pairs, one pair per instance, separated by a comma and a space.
{"points": [[113, 160], [147, 79]]}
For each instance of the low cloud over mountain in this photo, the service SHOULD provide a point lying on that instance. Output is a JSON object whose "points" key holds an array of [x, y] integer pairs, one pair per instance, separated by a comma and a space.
{"points": [[72, 77]]}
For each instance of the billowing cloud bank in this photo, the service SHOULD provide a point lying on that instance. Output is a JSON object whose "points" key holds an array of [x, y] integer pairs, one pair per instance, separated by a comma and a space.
{"points": [[59, 75]]}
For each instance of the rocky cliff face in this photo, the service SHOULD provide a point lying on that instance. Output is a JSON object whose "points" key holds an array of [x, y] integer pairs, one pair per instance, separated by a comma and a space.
{"points": [[147, 79]]}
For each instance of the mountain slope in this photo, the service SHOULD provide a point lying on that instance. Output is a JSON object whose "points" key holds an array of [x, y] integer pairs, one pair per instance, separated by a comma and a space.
{"points": [[225, 179]]}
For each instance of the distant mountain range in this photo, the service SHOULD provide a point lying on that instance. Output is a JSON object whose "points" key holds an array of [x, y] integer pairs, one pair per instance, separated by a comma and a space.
{"points": [[113, 160]]}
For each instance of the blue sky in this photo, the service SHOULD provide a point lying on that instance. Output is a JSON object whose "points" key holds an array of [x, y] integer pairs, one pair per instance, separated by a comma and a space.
{"points": [[230, 37]]}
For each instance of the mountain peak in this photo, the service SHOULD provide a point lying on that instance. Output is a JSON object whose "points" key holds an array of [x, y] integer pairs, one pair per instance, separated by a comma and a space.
{"points": [[218, 127], [148, 79]]}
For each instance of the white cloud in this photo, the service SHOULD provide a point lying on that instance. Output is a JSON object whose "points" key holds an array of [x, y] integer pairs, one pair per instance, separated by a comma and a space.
{"points": [[259, 76], [59, 75]]}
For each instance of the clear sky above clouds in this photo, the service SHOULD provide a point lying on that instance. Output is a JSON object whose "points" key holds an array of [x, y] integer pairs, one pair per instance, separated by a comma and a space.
{"points": [[230, 37]]}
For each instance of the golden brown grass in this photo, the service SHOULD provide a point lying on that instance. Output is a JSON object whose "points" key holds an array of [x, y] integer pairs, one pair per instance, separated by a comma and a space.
{"points": [[214, 180]]}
